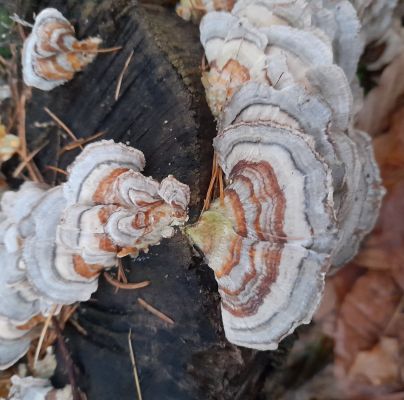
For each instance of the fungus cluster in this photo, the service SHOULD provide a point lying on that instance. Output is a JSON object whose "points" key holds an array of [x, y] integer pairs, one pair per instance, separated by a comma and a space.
{"points": [[54, 242], [52, 54], [303, 188]]}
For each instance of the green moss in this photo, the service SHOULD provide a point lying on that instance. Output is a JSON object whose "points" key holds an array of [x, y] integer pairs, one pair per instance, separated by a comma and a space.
{"points": [[212, 227]]}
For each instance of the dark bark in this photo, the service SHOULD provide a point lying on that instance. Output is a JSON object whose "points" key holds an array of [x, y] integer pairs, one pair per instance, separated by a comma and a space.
{"points": [[161, 111]]}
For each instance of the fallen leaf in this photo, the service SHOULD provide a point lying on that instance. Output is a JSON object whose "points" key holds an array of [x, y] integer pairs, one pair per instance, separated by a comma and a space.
{"points": [[364, 315], [379, 365], [381, 102]]}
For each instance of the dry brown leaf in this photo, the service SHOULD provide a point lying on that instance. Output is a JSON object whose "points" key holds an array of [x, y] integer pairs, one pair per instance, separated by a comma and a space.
{"points": [[389, 150], [384, 250], [379, 365], [364, 315], [364, 310], [383, 100], [336, 288], [363, 305]]}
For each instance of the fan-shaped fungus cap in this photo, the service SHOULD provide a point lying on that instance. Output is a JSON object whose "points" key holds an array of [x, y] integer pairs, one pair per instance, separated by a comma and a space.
{"points": [[52, 54]]}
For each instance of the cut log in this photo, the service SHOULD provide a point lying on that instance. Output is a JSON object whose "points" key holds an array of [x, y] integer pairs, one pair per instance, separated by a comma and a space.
{"points": [[162, 111]]}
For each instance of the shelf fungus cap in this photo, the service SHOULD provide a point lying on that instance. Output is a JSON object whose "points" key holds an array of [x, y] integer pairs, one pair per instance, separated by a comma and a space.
{"points": [[114, 208], [361, 195], [303, 188], [46, 261], [52, 54], [99, 162], [54, 242], [235, 51], [14, 342], [267, 288], [270, 240]]}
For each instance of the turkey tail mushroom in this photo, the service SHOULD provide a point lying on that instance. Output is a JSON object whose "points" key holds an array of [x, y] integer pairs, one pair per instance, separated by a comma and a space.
{"points": [[303, 188], [14, 342], [271, 254], [52, 54], [55, 242], [114, 207]]}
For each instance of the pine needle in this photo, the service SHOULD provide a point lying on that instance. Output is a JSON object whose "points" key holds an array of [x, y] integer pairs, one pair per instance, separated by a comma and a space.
{"points": [[80, 142], [127, 286], [121, 75], [43, 333], [78, 327], [221, 187], [62, 125], [16, 18], [134, 368], [155, 312], [28, 159], [33, 171], [105, 50], [56, 169], [209, 193]]}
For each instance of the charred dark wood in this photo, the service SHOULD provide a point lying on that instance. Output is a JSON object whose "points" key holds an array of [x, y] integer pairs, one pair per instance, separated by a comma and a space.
{"points": [[162, 111]]}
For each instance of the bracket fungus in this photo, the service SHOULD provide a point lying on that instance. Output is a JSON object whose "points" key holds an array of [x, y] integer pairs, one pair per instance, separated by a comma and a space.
{"points": [[54, 242], [303, 188], [52, 54]]}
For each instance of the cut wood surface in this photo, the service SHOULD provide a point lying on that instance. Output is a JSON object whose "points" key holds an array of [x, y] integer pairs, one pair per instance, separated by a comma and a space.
{"points": [[161, 110]]}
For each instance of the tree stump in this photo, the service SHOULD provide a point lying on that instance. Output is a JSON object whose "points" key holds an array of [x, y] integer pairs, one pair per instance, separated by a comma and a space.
{"points": [[162, 111]]}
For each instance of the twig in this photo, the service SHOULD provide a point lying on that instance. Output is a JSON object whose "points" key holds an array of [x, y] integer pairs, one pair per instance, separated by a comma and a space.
{"points": [[43, 333], [32, 170], [127, 286], [28, 159], [20, 117], [106, 50], [67, 313], [133, 361], [20, 100], [67, 359], [56, 169], [155, 312], [79, 328], [16, 18], [121, 75], [80, 142], [64, 317], [206, 203], [221, 186], [62, 125], [20, 23], [121, 273]]}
